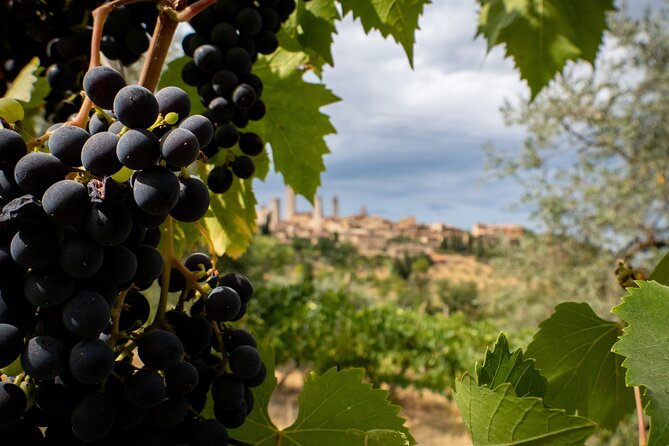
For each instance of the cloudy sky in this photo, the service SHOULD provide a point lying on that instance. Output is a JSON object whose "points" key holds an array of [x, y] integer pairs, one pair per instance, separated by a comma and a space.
{"points": [[409, 142]]}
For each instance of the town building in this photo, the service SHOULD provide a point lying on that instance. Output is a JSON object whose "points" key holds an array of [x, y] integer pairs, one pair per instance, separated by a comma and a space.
{"points": [[372, 234]]}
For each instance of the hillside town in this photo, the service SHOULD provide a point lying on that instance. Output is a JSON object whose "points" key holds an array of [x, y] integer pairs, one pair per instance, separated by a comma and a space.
{"points": [[372, 234]]}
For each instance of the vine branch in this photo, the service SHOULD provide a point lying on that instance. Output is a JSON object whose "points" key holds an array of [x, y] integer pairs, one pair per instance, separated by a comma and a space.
{"points": [[640, 420]]}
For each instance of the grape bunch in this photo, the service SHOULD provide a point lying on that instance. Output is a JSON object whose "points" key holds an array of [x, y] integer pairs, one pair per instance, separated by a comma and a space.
{"points": [[227, 40], [79, 231], [59, 34]]}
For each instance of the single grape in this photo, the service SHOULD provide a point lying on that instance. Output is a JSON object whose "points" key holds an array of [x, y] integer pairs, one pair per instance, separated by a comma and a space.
{"points": [[34, 248], [136, 311], [243, 167], [156, 190], [266, 42], [119, 265], [138, 149], [244, 96], [227, 391], [43, 357], [208, 58], [195, 334], [170, 413], [93, 418], [193, 201], [108, 223], [250, 143], [180, 379], [145, 389], [66, 144], [98, 155], [220, 179], [179, 147], [226, 135], [149, 264], [86, 314], [65, 202], [199, 262], [136, 41], [224, 82], [101, 85], [223, 35], [222, 304], [13, 404], [248, 22], [11, 344], [91, 361], [245, 361], [160, 350], [80, 257], [136, 107], [173, 100], [221, 109], [211, 433], [36, 171], [201, 127], [47, 287]]}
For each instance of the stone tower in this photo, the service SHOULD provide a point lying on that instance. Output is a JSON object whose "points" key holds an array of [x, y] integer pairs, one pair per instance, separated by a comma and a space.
{"points": [[290, 203], [317, 216], [275, 212], [335, 207]]}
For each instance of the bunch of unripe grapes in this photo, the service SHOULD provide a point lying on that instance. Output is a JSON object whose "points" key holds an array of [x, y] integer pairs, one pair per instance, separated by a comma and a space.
{"points": [[79, 229], [59, 34], [225, 45]]}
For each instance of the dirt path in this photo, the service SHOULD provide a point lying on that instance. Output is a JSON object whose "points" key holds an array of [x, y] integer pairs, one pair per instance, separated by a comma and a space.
{"points": [[432, 419]]}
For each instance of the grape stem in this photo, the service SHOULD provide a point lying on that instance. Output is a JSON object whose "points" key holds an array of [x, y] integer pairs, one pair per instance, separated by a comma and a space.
{"points": [[191, 11], [640, 420], [167, 253], [191, 278], [116, 316]]}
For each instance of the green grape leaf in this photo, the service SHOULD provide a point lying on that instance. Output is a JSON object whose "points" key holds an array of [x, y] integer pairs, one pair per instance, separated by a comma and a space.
{"points": [[28, 87], [658, 411], [186, 237], [542, 35], [294, 126], [397, 18], [643, 345], [335, 409], [231, 219], [501, 366], [498, 417], [310, 30], [661, 272], [572, 349]]}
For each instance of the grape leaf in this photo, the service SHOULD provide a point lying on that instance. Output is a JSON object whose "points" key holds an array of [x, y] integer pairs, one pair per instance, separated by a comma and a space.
{"points": [[499, 417], [501, 366], [658, 411], [231, 219], [28, 87], [397, 18], [294, 126], [335, 409], [310, 30], [661, 272], [644, 346], [542, 35], [186, 237], [572, 349]]}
